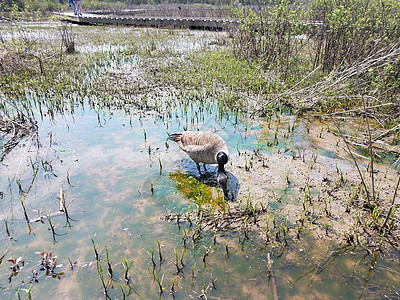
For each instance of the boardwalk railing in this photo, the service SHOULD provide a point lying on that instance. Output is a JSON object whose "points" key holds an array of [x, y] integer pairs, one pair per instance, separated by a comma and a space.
{"points": [[171, 22]]}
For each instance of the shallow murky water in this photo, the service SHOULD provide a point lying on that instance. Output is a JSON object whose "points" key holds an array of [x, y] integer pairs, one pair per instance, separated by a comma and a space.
{"points": [[107, 174], [119, 175], [116, 196]]}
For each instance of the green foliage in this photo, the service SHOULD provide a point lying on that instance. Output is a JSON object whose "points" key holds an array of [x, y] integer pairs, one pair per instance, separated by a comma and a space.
{"points": [[325, 51], [9, 5], [271, 34], [353, 30], [31, 5], [359, 40]]}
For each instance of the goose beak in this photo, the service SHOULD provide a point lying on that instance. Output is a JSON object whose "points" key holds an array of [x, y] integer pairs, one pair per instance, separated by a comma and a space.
{"points": [[223, 182]]}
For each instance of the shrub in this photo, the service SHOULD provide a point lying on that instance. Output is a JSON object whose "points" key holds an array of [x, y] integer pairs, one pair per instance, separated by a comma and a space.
{"points": [[352, 30]]}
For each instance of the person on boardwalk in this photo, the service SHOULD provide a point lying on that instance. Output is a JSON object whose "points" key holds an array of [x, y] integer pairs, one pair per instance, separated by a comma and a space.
{"points": [[78, 5], [72, 3]]}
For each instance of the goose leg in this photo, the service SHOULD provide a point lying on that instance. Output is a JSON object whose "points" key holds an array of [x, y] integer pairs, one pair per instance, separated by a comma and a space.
{"points": [[198, 168]]}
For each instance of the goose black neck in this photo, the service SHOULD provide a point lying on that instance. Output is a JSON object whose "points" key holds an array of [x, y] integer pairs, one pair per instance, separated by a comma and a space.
{"points": [[222, 159], [221, 169]]}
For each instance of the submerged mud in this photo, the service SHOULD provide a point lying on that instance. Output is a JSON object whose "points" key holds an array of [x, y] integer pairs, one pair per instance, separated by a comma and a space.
{"points": [[13, 131]]}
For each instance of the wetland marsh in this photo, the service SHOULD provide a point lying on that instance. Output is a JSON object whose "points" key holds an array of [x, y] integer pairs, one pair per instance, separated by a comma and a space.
{"points": [[137, 219]]}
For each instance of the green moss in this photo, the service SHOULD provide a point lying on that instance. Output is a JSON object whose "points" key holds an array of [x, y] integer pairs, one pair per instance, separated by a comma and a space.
{"points": [[195, 190]]}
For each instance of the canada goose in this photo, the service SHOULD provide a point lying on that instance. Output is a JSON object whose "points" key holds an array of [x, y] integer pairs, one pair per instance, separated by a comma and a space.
{"points": [[205, 147]]}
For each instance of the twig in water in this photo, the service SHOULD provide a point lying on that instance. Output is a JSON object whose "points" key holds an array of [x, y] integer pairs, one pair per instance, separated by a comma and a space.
{"points": [[391, 206], [354, 159], [371, 152]]}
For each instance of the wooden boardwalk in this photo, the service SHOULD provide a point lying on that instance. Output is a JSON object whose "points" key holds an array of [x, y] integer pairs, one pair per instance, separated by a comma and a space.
{"points": [[159, 22]]}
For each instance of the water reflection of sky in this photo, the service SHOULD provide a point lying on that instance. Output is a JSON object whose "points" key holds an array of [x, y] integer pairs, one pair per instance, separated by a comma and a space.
{"points": [[111, 174]]}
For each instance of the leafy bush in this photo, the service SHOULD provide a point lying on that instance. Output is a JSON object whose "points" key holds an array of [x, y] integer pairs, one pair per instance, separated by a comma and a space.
{"points": [[326, 51], [271, 33], [352, 30]]}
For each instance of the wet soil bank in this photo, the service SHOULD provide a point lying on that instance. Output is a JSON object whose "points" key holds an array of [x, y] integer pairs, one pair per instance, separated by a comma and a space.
{"points": [[312, 187]]}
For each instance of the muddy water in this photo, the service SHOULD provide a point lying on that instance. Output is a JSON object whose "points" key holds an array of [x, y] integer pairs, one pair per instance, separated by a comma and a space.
{"points": [[119, 176], [116, 196], [103, 165]]}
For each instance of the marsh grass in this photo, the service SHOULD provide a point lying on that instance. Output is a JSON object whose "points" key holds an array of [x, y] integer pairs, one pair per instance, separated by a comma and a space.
{"points": [[125, 283]]}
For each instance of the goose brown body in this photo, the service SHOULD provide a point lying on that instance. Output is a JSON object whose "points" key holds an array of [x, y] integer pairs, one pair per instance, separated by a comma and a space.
{"points": [[201, 146]]}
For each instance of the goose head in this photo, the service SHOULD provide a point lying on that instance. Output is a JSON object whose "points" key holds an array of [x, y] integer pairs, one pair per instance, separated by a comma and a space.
{"points": [[223, 182]]}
